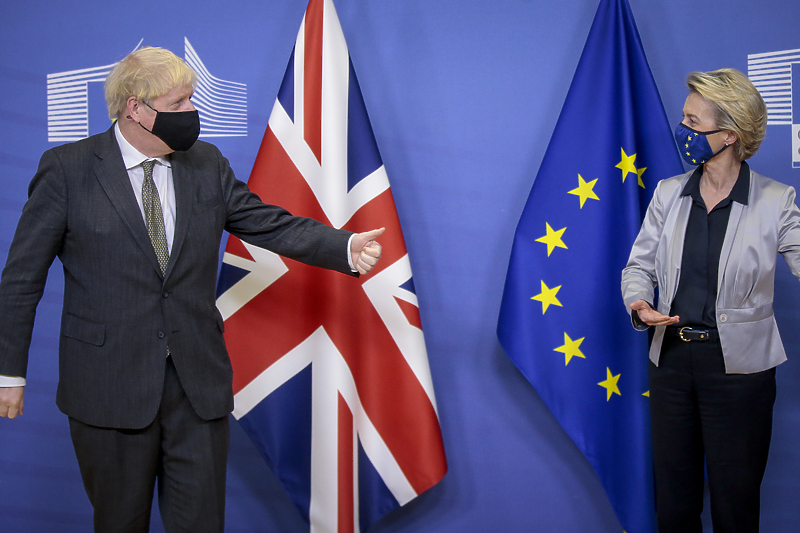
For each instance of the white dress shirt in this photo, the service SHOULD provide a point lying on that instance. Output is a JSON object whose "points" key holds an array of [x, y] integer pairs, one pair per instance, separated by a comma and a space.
{"points": [[162, 176]]}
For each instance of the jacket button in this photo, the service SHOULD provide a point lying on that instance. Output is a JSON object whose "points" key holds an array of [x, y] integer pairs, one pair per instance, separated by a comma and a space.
{"points": [[161, 334], [165, 294], [723, 318]]}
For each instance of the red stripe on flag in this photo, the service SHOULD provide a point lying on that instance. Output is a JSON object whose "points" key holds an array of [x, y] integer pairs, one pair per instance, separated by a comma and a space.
{"points": [[312, 78], [276, 180], [410, 311], [380, 372], [345, 465], [237, 248], [253, 347]]}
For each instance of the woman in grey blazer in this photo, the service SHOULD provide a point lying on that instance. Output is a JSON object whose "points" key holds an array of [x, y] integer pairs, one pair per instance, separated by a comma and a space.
{"points": [[709, 242]]}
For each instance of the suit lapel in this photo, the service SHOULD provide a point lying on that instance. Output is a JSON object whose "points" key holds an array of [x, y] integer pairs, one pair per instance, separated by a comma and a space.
{"points": [[184, 198], [113, 178]]}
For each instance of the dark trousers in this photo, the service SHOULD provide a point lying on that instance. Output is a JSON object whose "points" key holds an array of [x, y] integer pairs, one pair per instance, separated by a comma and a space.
{"points": [[697, 410], [187, 455]]}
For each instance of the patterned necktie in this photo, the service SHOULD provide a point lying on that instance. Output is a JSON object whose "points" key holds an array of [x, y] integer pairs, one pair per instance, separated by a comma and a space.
{"points": [[153, 216]]}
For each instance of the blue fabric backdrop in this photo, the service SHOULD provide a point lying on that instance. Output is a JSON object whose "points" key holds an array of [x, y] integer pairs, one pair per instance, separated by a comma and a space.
{"points": [[463, 98]]}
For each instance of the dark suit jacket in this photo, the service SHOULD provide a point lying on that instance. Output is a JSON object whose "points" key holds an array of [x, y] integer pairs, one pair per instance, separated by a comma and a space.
{"points": [[119, 313]]}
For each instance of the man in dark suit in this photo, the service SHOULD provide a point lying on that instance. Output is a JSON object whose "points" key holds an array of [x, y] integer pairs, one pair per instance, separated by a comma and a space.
{"points": [[136, 216]]}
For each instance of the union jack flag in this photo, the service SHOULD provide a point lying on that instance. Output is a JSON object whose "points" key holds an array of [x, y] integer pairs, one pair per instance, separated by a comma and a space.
{"points": [[331, 376]]}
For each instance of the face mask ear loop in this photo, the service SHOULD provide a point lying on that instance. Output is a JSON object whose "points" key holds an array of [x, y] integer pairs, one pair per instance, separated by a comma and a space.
{"points": [[156, 112], [718, 151], [151, 107]]}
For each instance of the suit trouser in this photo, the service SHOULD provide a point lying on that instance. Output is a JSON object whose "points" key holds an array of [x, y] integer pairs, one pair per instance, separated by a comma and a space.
{"points": [[697, 410], [186, 454]]}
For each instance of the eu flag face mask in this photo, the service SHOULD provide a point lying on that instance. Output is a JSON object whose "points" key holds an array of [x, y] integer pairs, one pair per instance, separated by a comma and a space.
{"points": [[693, 144]]}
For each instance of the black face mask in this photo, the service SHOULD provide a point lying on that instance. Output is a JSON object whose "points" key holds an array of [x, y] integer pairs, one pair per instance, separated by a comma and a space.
{"points": [[178, 129]]}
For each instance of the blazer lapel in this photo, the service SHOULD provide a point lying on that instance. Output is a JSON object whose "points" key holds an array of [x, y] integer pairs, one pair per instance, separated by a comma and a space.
{"points": [[727, 244], [110, 172], [673, 263]]}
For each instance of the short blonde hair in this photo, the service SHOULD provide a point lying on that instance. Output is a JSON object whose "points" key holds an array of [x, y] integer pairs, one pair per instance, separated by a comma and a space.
{"points": [[738, 107], [146, 73]]}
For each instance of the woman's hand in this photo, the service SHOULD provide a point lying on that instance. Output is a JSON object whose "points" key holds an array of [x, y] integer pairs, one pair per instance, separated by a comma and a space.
{"points": [[650, 316]]}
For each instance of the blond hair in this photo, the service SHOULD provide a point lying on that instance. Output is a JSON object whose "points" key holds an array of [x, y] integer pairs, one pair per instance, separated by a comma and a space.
{"points": [[738, 107], [146, 73]]}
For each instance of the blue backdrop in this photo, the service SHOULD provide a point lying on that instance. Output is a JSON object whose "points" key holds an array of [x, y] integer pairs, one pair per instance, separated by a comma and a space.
{"points": [[463, 98]]}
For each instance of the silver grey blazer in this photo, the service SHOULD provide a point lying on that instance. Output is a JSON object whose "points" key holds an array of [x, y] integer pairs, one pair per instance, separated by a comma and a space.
{"points": [[756, 233]]}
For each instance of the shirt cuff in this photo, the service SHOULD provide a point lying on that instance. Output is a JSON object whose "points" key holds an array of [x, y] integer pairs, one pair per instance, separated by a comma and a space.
{"points": [[11, 381], [349, 255]]}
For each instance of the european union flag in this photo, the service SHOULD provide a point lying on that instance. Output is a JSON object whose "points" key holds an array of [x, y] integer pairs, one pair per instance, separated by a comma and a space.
{"points": [[561, 321]]}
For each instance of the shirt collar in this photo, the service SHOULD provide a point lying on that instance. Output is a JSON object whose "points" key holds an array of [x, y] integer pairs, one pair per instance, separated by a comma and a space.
{"points": [[130, 155], [740, 192], [741, 189]]}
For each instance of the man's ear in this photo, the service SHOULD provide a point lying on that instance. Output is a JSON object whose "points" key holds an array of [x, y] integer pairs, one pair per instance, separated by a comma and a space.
{"points": [[133, 108]]}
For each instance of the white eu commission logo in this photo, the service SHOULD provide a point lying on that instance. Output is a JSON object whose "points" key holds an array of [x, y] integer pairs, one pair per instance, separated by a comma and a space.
{"points": [[772, 74], [222, 105]]}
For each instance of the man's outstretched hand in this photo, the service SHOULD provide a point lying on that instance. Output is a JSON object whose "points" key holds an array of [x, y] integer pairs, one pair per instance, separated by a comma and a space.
{"points": [[365, 250]]}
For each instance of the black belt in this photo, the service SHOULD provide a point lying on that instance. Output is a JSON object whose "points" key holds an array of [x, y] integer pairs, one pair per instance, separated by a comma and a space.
{"points": [[692, 334]]}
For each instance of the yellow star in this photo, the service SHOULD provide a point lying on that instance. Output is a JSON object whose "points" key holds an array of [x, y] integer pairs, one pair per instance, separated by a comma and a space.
{"points": [[570, 349], [646, 393], [626, 165], [552, 239], [584, 190], [547, 297], [610, 384], [640, 171]]}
